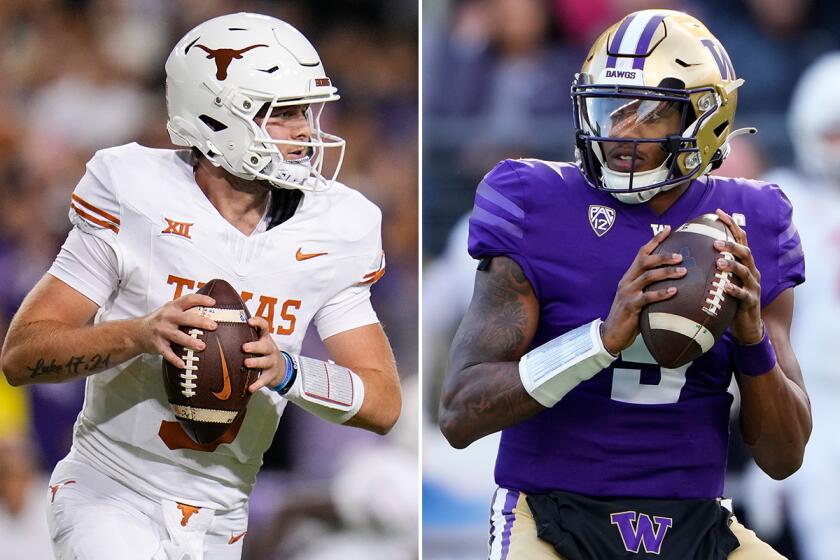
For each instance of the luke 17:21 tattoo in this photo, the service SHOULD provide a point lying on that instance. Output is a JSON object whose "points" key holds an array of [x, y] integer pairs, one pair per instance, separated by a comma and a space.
{"points": [[74, 366]]}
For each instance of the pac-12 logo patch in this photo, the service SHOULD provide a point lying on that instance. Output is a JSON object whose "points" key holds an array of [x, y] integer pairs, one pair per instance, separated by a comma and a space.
{"points": [[601, 218]]}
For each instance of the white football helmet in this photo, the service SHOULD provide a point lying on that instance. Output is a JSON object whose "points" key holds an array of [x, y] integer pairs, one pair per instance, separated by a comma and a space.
{"points": [[814, 115], [225, 71]]}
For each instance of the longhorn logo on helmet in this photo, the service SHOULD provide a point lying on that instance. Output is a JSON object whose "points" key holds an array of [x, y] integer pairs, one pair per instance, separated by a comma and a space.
{"points": [[223, 58]]}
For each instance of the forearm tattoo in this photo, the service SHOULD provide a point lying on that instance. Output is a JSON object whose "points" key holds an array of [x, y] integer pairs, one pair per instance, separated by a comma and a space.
{"points": [[73, 367]]}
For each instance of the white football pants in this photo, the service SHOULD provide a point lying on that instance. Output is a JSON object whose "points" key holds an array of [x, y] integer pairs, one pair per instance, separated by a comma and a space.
{"points": [[93, 517]]}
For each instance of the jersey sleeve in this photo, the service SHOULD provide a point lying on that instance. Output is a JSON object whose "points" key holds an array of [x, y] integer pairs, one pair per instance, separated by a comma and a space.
{"points": [[94, 204], [351, 306], [790, 258], [498, 220], [89, 259], [350, 309], [87, 264]]}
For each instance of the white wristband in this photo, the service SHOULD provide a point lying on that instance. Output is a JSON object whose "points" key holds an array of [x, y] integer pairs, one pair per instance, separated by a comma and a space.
{"points": [[328, 390], [550, 371]]}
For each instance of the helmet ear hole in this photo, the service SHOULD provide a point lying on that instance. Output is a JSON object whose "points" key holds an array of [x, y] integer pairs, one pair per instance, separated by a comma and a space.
{"points": [[672, 83], [720, 128], [212, 123], [264, 110]]}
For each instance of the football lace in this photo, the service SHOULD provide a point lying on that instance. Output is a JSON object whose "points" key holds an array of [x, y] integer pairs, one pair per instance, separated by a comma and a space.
{"points": [[716, 293], [190, 360]]}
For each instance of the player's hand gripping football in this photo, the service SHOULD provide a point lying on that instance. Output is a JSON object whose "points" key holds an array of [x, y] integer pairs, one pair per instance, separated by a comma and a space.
{"points": [[621, 327], [746, 327], [270, 360], [158, 330]]}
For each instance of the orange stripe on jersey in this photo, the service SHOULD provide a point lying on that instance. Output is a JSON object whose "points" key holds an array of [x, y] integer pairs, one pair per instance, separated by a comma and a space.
{"points": [[94, 219], [373, 276], [95, 210]]}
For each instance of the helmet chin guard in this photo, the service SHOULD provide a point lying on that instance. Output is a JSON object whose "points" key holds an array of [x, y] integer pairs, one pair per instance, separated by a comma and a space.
{"points": [[222, 74], [618, 184]]}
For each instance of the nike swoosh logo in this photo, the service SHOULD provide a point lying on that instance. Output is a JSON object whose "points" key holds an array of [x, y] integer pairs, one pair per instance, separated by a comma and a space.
{"points": [[224, 394], [234, 538], [301, 256]]}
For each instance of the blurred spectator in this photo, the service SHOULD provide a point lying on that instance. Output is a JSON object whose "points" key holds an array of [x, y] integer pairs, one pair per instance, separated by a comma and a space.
{"points": [[500, 63], [496, 85]]}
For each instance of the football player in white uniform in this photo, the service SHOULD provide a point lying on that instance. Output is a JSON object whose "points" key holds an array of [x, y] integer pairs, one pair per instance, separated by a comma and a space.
{"points": [[812, 495], [248, 203]]}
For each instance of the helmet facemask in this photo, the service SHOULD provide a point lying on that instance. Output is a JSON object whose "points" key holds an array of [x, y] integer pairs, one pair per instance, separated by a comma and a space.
{"points": [[265, 158], [615, 122]]}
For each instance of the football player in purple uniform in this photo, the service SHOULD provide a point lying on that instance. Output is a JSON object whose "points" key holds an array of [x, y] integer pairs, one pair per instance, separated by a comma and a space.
{"points": [[604, 454]]}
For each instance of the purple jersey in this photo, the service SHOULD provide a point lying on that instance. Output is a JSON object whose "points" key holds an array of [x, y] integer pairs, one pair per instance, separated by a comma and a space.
{"points": [[634, 429]]}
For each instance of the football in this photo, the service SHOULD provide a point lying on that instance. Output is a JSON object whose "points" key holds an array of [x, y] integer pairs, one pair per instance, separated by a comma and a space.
{"points": [[682, 328], [210, 394]]}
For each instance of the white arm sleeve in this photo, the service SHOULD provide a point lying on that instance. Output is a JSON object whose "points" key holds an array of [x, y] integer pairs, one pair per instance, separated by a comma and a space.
{"points": [[349, 309], [88, 264]]}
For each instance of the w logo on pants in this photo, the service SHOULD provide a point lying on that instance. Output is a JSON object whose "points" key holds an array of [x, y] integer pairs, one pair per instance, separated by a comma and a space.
{"points": [[642, 531]]}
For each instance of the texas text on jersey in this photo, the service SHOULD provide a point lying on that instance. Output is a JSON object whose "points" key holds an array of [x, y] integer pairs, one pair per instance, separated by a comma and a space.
{"points": [[167, 239]]}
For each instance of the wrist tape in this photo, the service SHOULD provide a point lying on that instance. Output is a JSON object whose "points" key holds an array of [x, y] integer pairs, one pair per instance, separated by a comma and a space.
{"points": [[328, 390], [553, 369]]}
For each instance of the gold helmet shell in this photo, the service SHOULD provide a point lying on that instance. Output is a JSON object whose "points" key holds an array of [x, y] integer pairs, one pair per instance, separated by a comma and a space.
{"points": [[665, 56]]}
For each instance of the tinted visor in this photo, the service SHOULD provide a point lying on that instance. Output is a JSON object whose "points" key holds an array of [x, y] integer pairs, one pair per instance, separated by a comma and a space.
{"points": [[626, 117]]}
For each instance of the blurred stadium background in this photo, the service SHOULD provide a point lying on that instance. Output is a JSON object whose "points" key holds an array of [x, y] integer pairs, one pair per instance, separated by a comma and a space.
{"points": [[496, 77], [79, 75]]}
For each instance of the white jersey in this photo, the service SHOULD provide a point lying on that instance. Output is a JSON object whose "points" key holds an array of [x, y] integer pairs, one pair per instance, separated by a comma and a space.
{"points": [[816, 206], [813, 496], [168, 240]]}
